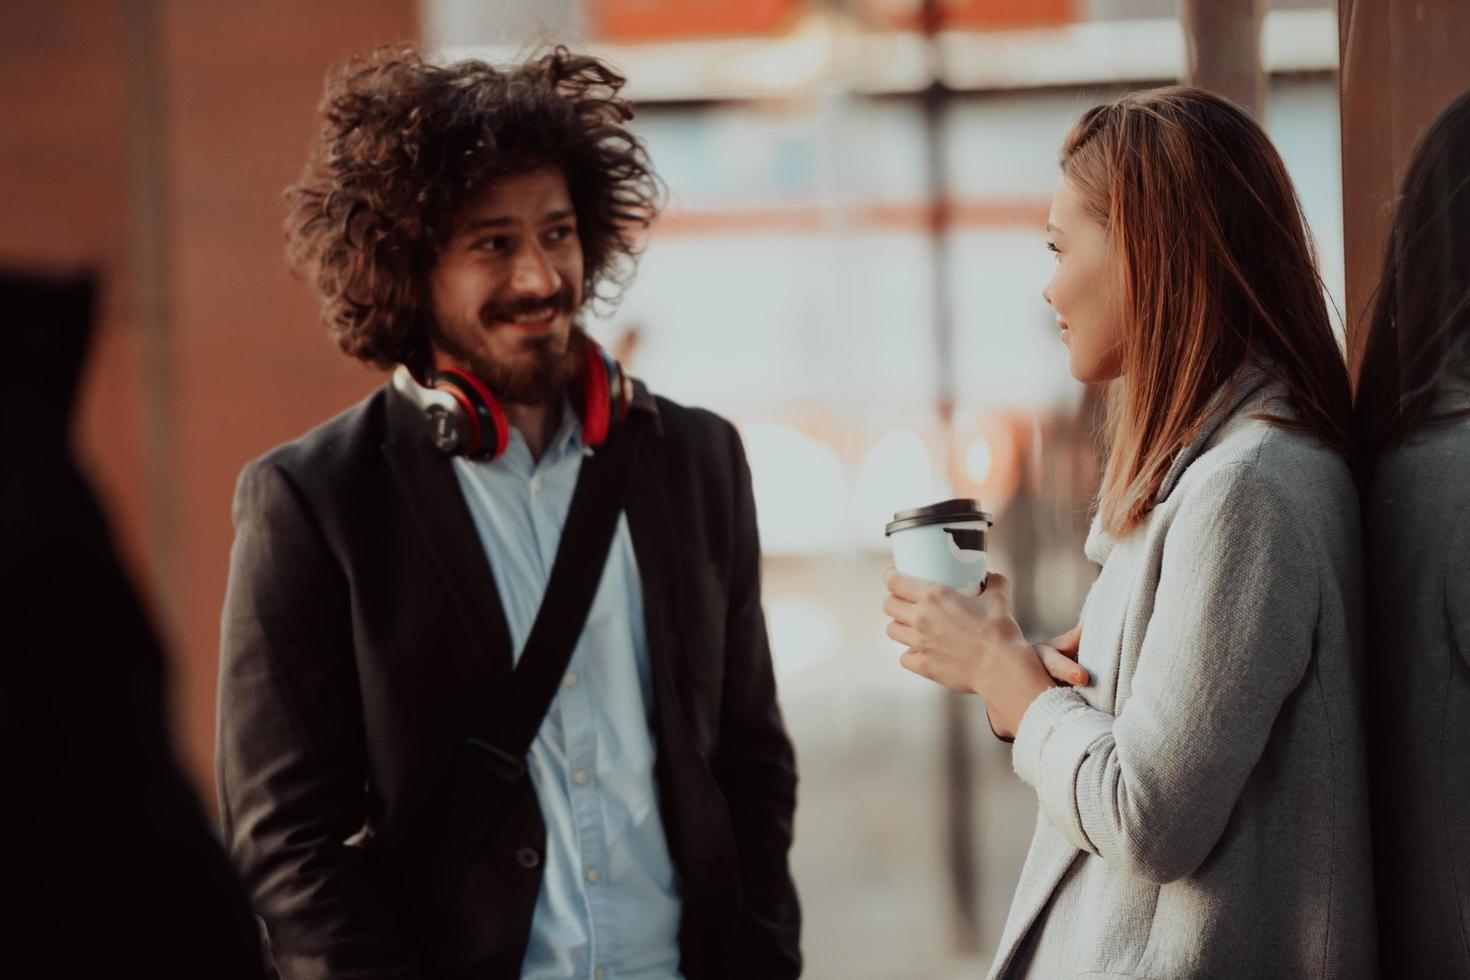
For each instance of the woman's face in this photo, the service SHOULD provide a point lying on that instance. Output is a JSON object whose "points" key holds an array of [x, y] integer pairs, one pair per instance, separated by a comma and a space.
{"points": [[1084, 289]]}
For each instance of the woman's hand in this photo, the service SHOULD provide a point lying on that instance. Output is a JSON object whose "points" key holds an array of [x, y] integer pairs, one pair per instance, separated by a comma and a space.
{"points": [[969, 643], [1059, 655]]}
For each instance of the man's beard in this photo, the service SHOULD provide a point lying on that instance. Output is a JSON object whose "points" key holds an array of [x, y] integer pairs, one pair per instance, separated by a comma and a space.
{"points": [[552, 359], [550, 368]]}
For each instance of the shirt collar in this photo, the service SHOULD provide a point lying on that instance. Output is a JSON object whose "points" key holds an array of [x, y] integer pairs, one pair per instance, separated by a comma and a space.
{"points": [[565, 440], [568, 438]]}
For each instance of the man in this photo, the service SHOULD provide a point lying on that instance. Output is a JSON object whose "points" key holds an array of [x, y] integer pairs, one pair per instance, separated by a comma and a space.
{"points": [[458, 219]]}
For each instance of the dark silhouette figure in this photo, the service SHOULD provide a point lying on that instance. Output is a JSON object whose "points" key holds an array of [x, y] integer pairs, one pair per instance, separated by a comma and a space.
{"points": [[1413, 412], [110, 862]]}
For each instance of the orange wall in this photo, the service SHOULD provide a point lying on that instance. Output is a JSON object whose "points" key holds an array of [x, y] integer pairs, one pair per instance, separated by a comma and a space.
{"points": [[999, 14], [657, 20], [661, 20], [63, 205], [252, 367]]}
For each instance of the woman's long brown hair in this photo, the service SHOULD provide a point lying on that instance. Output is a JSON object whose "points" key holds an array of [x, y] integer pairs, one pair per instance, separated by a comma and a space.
{"points": [[1215, 269]]}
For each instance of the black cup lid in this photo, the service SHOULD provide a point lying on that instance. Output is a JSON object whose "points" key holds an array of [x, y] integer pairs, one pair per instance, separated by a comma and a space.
{"points": [[944, 512]]}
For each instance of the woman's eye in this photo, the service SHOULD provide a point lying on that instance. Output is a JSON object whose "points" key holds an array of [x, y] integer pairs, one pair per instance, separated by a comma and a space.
{"points": [[1052, 248]]}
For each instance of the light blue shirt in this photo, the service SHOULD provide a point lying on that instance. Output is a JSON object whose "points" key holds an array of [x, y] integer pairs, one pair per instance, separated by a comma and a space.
{"points": [[609, 903]]}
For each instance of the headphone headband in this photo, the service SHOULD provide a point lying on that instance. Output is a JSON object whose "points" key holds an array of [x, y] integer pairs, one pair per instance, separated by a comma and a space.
{"points": [[466, 419]]}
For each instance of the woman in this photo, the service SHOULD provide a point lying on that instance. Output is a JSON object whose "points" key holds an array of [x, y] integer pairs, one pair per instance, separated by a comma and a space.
{"points": [[1413, 410], [1203, 807]]}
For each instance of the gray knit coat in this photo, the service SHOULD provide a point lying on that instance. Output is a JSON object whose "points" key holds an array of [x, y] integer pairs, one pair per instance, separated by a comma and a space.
{"points": [[1203, 800]]}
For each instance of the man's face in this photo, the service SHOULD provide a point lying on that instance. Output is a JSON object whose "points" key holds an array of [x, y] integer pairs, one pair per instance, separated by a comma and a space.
{"points": [[507, 286]]}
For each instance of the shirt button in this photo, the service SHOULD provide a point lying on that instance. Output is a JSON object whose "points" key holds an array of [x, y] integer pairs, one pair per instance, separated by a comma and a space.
{"points": [[527, 857], [581, 777], [593, 876], [570, 680], [597, 974], [536, 483]]}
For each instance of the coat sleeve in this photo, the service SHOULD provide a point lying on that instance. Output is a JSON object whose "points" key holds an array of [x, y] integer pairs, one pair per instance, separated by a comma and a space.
{"points": [[1231, 635], [290, 756], [754, 762]]}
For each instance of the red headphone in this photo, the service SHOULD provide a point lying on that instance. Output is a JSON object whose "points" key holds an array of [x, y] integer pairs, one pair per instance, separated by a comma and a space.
{"points": [[466, 419]]}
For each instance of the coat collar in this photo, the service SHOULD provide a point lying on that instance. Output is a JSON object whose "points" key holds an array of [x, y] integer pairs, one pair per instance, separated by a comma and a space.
{"points": [[1251, 389], [1245, 393], [643, 401], [433, 498]]}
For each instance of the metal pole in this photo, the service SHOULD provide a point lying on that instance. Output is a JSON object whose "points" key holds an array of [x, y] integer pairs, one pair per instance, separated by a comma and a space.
{"points": [[959, 763], [1401, 62], [142, 41], [1224, 43]]}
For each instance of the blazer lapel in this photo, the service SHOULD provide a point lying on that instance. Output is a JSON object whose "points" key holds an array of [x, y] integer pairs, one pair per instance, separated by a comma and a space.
{"points": [[651, 526], [433, 497]]}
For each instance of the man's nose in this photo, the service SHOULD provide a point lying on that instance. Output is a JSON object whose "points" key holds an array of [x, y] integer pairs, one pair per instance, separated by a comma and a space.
{"points": [[533, 274]]}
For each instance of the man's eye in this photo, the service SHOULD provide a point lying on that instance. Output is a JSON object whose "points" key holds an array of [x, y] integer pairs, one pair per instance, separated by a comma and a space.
{"points": [[495, 243], [559, 233]]}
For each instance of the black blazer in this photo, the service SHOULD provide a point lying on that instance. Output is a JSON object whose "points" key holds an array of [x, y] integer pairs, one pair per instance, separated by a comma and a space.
{"points": [[362, 639]]}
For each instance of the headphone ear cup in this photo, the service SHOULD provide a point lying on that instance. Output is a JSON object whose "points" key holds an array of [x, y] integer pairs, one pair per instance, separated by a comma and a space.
{"points": [[488, 422], [597, 407]]}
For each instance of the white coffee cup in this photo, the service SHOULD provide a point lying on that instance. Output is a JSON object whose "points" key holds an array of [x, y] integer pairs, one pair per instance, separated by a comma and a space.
{"points": [[943, 542]]}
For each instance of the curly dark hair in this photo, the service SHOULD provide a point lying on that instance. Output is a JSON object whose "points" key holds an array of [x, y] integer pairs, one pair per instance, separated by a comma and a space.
{"points": [[404, 143]]}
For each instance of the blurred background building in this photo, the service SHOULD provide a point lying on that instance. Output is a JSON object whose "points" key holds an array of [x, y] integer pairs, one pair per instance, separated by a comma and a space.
{"points": [[850, 267]]}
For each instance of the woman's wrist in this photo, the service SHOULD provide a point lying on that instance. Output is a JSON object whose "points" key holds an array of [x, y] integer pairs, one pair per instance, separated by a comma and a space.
{"points": [[1012, 689]]}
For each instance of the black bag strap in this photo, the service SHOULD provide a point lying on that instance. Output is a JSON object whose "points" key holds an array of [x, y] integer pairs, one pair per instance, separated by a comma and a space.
{"points": [[491, 766]]}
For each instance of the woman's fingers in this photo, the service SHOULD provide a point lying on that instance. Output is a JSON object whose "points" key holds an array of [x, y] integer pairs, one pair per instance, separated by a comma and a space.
{"points": [[1068, 642], [909, 589], [1062, 667], [901, 633], [912, 660], [899, 609]]}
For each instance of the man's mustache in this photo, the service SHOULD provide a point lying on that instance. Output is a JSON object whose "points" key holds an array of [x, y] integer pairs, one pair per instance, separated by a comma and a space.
{"points": [[498, 311]]}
